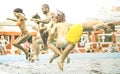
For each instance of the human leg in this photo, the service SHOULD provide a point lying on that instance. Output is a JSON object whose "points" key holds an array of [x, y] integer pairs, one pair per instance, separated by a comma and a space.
{"points": [[53, 57], [44, 36], [65, 53], [1, 51], [36, 49], [19, 40], [53, 47], [73, 36], [67, 58]]}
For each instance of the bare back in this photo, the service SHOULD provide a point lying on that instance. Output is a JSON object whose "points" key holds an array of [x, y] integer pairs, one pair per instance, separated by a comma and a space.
{"points": [[62, 29]]}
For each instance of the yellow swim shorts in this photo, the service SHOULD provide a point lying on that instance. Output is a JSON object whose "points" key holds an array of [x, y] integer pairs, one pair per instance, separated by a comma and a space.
{"points": [[74, 34]]}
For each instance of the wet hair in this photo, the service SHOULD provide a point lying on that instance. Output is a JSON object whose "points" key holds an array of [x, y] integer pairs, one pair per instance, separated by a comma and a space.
{"points": [[46, 5], [18, 10]]}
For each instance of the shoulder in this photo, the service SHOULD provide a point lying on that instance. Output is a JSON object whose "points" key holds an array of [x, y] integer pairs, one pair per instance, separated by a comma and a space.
{"points": [[22, 17], [57, 24], [67, 23], [51, 13]]}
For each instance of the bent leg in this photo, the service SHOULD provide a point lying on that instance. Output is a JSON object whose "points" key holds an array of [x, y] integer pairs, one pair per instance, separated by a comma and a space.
{"points": [[36, 49], [19, 40], [36, 44], [65, 53], [44, 36], [67, 58], [53, 48], [53, 57]]}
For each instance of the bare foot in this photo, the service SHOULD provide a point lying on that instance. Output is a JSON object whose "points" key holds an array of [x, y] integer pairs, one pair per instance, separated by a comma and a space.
{"points": [[60, 65], [34, 58]]}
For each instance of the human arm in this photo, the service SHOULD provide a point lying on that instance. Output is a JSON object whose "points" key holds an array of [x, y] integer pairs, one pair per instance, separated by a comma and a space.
{"points": [[50, 25], [15, 20], [22, 17], [35, 27], [35, 20], [54, 29], [45, 21]]}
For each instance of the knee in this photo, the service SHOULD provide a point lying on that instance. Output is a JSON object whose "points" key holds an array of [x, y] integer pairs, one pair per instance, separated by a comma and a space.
{"points": [[57, 55], [15, 44], [48, 43], [60, 44]]}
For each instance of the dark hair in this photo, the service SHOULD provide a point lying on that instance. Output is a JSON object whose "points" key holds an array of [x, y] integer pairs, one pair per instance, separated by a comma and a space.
{"points": [[18, 10], [46, 5], [36, 16], [60, 14]]}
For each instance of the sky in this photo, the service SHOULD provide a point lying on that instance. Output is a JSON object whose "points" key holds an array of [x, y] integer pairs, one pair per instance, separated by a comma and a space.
{"points": [[76, 11]]}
